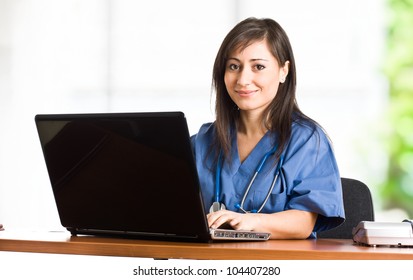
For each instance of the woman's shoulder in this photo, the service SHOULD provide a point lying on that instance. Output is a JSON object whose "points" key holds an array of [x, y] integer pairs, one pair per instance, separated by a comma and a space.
{"points": [[205, 133], [205, 130], [307, 129]]}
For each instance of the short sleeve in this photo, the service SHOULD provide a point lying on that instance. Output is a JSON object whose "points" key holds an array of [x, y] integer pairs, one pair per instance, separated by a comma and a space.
{"points": [[312, 177]]}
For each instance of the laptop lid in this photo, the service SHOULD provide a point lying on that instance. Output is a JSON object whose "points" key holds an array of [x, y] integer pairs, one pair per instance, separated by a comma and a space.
{"points": [[130, 174]]}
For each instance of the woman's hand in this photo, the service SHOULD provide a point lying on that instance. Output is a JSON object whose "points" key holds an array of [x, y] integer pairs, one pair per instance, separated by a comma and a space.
{"points": [[239, 221], [289, 224]]}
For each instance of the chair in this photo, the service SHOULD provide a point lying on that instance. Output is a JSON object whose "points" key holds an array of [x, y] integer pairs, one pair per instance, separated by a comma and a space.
{"points": [[358, 206]]}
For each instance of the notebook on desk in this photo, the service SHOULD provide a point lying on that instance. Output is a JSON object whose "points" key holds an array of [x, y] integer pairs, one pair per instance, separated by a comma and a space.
{"points": [[127, 174]]}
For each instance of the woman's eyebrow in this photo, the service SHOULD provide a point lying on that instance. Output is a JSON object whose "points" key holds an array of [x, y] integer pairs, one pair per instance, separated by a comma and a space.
{"points": [[251, 60], [258, 59]]}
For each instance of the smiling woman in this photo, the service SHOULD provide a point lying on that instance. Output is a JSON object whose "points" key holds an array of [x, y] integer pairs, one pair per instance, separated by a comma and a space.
{"points": [[259, 127]]}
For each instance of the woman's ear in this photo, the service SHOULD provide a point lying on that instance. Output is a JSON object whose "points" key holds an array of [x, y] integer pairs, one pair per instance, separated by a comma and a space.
{"points": [[284, 71]]}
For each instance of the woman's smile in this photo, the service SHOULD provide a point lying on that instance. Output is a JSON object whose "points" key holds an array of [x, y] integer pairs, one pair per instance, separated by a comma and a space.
{"points": [[246, 93]]}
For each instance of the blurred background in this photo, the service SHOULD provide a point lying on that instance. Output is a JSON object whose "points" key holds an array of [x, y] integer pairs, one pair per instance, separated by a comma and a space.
{"points": [[354, 64]]}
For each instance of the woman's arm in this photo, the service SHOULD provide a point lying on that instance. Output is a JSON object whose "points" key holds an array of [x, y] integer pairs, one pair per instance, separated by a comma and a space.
{"points": [[289, 224]]}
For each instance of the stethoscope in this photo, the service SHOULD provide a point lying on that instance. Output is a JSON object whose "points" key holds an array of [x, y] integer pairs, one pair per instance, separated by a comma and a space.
{"points": [[217, 205]]}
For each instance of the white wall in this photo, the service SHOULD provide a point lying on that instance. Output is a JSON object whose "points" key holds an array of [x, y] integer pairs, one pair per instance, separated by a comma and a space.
{"points": [[125, 55]]}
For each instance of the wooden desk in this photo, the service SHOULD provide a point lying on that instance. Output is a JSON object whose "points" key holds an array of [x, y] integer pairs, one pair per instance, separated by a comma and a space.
{"points": [[63, 243]]}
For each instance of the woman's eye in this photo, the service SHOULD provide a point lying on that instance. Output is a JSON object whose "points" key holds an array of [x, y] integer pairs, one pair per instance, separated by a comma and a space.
{"points": [[233, 67], [259, 67]]}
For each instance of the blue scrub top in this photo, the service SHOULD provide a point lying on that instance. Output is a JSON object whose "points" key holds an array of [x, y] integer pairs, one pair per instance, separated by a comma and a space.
{"points": [[309, 179]]}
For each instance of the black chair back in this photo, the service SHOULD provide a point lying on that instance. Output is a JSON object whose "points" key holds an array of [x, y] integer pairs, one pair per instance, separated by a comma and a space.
{"points": [[358, 206]]}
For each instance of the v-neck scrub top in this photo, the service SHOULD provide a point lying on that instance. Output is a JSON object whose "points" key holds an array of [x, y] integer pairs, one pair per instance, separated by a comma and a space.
{"points": [[309, 178]]}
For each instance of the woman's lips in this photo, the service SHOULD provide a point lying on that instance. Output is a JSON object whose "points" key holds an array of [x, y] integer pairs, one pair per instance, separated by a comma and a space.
{"points": [[246, 93]]}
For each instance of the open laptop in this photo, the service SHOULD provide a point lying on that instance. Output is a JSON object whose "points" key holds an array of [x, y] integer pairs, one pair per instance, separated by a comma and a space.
{"points": [[127, 174]]}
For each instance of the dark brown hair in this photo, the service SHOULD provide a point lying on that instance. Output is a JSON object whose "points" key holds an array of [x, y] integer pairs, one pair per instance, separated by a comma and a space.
{"points": [[283, 109]]}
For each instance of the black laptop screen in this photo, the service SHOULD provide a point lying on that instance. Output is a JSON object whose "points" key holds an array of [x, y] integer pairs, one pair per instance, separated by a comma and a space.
{"points": [[129, 173]]}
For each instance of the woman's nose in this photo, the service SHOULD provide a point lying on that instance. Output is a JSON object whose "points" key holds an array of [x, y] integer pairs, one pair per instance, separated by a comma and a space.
{"points": [[244, 77]]}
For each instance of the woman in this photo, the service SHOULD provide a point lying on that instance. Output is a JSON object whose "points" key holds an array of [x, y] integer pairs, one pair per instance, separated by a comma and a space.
{"points": [[260, 129]]}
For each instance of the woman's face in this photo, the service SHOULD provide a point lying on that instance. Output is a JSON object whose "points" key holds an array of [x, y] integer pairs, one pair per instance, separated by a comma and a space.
{"points": [[252, 77]]}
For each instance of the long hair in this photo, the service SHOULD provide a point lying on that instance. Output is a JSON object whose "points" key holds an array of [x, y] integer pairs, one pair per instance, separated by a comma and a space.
{"points": [[282, 111]]}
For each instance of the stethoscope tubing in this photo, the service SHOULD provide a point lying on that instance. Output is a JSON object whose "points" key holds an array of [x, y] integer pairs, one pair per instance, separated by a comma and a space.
{"points": [[218, 178], [258, 170]]}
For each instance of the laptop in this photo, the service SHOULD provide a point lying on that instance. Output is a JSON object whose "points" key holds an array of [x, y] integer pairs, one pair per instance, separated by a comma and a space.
{"points": [[127, 174]]}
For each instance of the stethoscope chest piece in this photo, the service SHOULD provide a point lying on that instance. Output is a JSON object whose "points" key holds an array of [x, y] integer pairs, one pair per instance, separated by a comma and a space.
{"points": [[216, 206]]}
